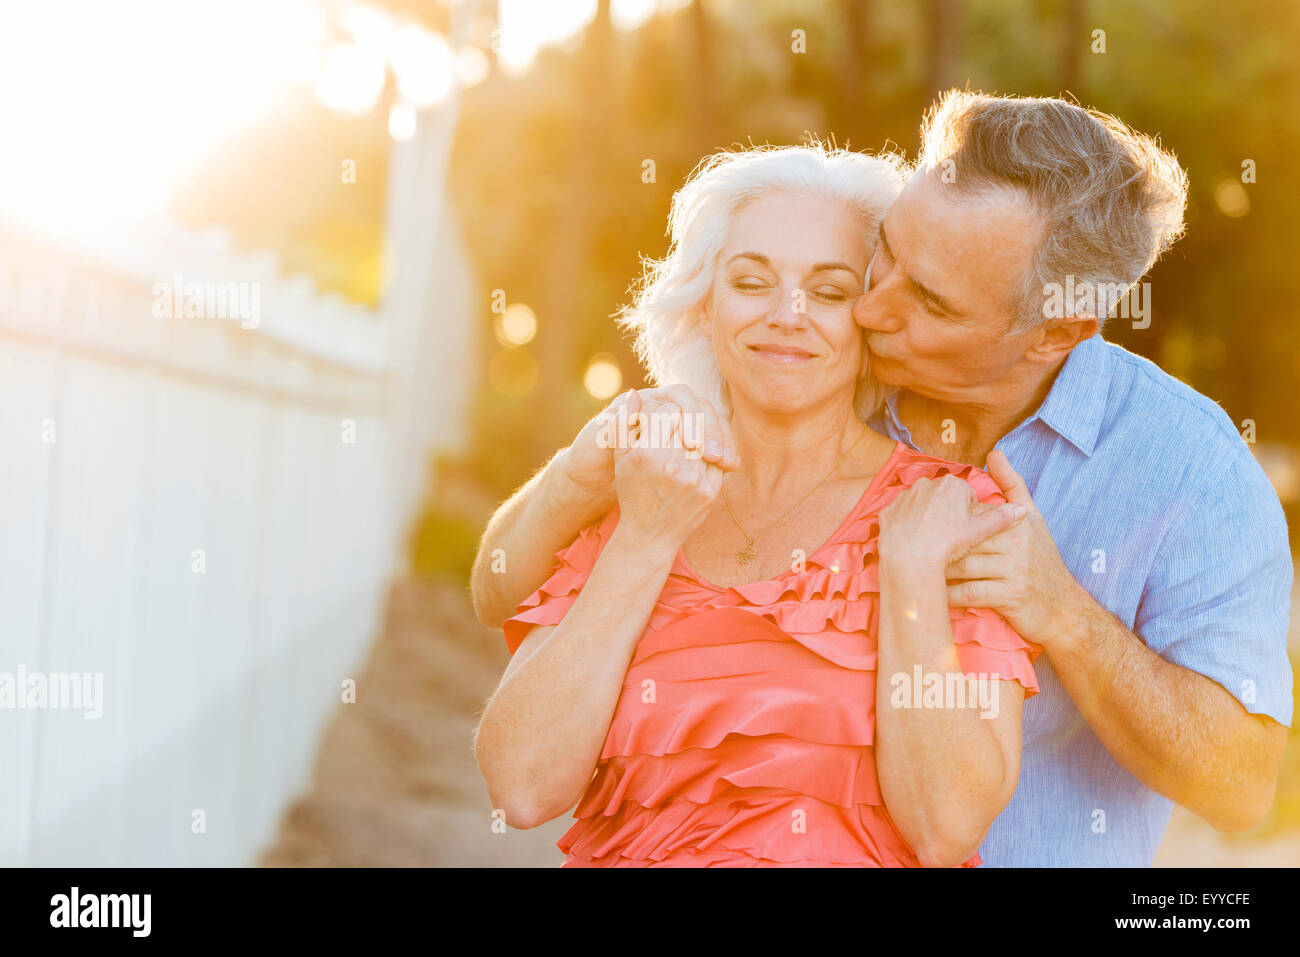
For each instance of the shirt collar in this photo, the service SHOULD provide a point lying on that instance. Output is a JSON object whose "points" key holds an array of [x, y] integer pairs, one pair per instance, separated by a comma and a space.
{"points": [[1076, 405], [897, 430], [1073, 408]]}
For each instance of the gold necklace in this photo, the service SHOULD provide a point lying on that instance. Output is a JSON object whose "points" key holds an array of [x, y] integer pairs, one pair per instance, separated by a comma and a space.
{"points": [[749, 554]]}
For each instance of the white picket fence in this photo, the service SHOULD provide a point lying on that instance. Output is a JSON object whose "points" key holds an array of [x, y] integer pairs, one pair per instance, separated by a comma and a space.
{"points": [[207, 515]]}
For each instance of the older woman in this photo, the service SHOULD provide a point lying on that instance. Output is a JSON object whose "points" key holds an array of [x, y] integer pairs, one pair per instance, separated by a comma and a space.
{"points": [[759, 666]]}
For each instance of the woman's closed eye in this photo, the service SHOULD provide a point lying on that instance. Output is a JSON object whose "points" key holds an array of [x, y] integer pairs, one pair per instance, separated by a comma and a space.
{"points": [[830, 294], [826, 292]]}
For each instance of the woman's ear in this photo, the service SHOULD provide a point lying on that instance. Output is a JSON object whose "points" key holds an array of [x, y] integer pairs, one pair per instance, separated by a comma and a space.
{"points": [[705, 309]]}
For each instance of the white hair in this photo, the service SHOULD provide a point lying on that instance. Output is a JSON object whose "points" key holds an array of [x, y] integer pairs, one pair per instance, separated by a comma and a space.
{"points": [[666, 310]]}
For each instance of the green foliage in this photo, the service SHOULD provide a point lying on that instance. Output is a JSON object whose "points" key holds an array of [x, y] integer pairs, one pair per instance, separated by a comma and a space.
{"points": [[547, 169], [444, 541]]}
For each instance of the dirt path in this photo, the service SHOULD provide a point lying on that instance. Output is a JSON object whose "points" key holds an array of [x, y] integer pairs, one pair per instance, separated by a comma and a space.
{"points": [[396, 783]]}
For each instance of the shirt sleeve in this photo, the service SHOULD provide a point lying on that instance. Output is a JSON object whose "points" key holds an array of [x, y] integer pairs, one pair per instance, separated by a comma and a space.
{"points": [[1219, 595], [552, 601]]}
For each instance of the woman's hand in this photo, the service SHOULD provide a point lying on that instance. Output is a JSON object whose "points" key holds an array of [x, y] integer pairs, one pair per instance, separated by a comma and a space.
{"points": [[664, 489], [935, 522], [588, 464]]}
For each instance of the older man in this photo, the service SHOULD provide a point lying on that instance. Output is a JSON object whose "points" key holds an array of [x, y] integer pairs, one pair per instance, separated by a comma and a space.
{"points": [[1153, 568]]}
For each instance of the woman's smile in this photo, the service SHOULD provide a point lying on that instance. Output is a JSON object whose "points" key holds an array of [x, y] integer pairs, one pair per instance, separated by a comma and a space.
{"points": [[780, 306], [781, 353]]}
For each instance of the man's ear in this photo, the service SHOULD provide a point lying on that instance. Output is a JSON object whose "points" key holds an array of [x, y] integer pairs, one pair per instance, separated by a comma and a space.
{"points": [[1057, 337]]}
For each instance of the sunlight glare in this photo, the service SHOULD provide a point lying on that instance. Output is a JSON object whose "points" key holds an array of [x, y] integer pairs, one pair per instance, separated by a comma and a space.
{"points": [[526, 26], [351, 79], [118, 100], [401, 122], [423, 63]]}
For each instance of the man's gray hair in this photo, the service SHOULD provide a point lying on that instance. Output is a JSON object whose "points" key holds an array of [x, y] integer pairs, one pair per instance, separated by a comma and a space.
{"points": [[1111, 200]]}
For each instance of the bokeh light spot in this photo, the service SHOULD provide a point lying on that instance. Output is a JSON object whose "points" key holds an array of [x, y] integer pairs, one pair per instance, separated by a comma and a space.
{"points": [[603, 377], [1232, 198], [516, 326], [401, 122]]}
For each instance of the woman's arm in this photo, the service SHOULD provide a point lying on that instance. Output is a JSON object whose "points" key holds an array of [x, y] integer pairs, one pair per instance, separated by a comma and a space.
{"points": [[574, 489], [945, 772], [543, 729]]}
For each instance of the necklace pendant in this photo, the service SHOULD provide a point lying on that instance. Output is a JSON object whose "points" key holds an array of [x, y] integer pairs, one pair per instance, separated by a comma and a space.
{"points": [[747, 555]]}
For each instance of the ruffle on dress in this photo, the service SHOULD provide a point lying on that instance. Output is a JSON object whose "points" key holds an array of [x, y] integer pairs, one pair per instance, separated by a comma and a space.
{"points": [[744, 732]]}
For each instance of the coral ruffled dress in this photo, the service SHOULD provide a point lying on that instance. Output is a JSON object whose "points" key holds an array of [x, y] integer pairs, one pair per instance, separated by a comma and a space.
{"points": [[743, 734]]}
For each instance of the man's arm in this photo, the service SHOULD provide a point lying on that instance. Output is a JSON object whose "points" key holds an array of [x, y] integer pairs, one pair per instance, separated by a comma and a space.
{"points": [[1175, 730], [1178, 731], [517, 551]]}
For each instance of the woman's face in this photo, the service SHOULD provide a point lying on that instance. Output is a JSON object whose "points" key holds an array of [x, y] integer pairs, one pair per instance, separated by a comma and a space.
{"points": [[780, 309]]}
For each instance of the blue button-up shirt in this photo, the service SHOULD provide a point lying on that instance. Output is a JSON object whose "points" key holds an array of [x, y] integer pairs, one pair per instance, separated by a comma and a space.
{"points": [[1164, 516]]}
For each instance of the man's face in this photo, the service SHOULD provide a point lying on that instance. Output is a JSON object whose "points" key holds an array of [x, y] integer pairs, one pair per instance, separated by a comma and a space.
{"points": [[936, 308]]}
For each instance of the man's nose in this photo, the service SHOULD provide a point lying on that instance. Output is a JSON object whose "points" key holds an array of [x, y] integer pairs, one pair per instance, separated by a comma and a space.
{"points": [[872, 312]]}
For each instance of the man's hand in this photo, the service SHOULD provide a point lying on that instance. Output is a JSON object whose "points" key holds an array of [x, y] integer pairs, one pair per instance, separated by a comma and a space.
{"points": [[1018, 572], [932, 521], [1177, 731], [664, 492], [576, 488], [588, 464]]}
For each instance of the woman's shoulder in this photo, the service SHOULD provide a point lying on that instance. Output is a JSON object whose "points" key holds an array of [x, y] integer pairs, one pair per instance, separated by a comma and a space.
{"points": [[911, 465], [585, 548]]}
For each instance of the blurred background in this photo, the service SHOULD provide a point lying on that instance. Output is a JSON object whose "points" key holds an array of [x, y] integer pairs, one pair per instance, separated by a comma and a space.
{"points": [[294, 292]]}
